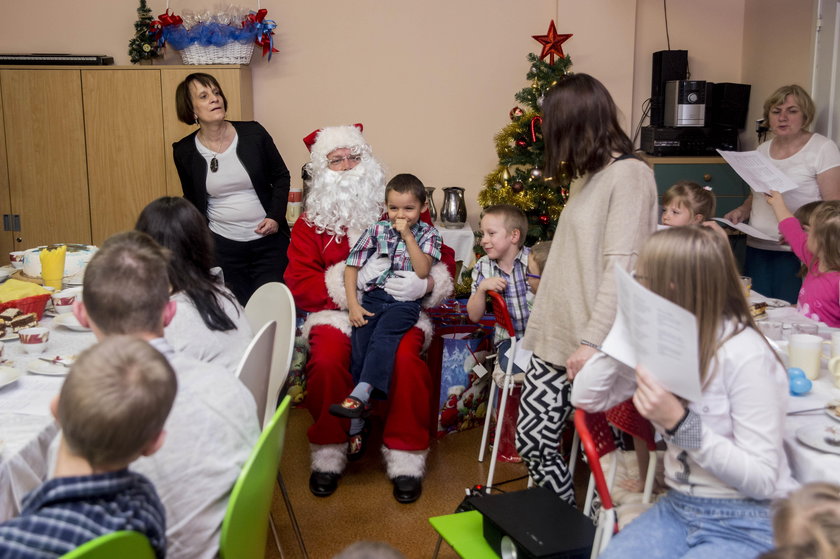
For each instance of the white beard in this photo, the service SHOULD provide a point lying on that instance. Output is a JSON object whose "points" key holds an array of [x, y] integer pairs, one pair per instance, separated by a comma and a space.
{"points": [[339, 201]]}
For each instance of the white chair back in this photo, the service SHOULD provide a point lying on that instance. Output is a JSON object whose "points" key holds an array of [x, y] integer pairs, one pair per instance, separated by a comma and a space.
{"points": [[255, 368], [274, 301]]}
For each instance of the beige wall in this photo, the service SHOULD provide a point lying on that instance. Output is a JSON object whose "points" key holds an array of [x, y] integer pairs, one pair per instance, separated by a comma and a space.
{"points": [[432, 81], [773, 57]]}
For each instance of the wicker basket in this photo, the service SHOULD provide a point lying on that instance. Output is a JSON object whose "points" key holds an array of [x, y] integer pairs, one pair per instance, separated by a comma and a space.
{"points": [[35, 303], [231, 53]]}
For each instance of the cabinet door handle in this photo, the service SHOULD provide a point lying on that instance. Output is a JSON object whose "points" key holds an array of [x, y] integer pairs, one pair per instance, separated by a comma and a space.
{"points": [[707, 177]]}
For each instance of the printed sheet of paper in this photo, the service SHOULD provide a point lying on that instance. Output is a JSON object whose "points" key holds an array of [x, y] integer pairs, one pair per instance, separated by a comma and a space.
{"points": [[748, 229], [758, 171], [651, 331]]}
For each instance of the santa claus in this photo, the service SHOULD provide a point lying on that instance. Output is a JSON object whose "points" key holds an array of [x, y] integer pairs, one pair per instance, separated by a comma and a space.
{"points": [[347, 194]]}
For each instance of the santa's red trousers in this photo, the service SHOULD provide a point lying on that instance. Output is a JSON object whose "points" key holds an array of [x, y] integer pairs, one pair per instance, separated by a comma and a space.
{"points": [[407, 410]]}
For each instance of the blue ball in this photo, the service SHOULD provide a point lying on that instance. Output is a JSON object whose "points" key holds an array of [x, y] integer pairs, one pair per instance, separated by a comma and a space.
{"points": [[800, 386], [796, 372]]}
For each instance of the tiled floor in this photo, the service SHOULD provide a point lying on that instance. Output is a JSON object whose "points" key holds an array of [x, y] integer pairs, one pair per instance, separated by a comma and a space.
{"points": [[363, 507]]}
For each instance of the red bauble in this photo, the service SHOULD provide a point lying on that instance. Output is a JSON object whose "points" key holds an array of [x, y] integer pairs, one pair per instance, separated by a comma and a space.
{"points": [[544, 219], [517, 186], [515, 113], [552, 43], [522, 142]]}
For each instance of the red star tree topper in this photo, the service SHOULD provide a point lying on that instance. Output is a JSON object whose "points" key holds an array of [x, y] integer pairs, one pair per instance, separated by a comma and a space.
{"points": [[552, 43]]}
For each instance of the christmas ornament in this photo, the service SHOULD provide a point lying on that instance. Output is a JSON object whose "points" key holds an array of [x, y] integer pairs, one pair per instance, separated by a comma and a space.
{"points": [[522, 142], [552, 43], [506, 175], [517, 186], [544, 219], [540, 100], [534, 122], [515, 113], [536, 173]]}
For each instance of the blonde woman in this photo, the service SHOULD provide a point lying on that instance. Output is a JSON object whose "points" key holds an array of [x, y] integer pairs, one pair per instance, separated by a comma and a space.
{"points": [[812, 161], [724, 460]]}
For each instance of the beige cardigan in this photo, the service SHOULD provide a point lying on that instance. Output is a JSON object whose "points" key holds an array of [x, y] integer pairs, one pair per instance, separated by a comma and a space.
{"points": [[606, 221]]}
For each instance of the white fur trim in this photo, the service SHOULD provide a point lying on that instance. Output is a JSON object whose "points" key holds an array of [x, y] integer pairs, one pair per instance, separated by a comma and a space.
{"points": [[405, 462], [334, 137], [425, 324], [336, 319], [328, 458], [334, 278], [443, 286]]}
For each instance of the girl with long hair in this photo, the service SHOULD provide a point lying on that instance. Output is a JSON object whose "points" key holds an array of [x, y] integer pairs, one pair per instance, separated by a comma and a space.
{"points": [[209, 323], [724, 460]]}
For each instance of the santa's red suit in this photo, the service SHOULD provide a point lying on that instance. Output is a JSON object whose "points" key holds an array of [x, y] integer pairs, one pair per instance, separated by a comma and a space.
{"points": [[315, 275]]}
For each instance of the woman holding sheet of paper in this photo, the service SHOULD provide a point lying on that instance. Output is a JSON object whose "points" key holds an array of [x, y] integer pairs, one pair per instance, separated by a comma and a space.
{"points": [[724, 460], [611, 211], [812, 161]]}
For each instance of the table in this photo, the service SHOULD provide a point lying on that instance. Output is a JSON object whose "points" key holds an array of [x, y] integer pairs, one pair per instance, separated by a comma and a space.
{"points": [[462, 241], [26, 425]]}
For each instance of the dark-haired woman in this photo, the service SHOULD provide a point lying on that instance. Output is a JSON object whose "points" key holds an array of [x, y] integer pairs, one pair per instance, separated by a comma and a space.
{"points": [[209, 324], [233, 173], [610, 213]]}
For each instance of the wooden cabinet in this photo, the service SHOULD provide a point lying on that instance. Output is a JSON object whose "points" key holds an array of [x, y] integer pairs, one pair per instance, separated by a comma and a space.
{"points": [[84, 149], [729, 189]]}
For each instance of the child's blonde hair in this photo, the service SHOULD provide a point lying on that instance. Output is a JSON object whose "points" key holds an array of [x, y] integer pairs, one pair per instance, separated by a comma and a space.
{"points": [[115, 401], [539, 254], [696, 199], [825, 231], [807, 522], [513, 218], [693, 267], [803, 215]]}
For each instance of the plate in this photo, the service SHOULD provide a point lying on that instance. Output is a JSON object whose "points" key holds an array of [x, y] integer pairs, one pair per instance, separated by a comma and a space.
{"points": [[8, 375], [10, 336], [69, 320], [830, 412], [38, 367], [814, 436], [4, 275]]}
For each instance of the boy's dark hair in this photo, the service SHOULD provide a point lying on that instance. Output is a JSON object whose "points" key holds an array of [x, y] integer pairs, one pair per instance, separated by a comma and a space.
{"points": [[514, 219], [406, 183]]}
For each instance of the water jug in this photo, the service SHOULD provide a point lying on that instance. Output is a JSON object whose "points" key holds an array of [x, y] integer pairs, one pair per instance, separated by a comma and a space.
{"points": [[453, 214], [430, 199]]}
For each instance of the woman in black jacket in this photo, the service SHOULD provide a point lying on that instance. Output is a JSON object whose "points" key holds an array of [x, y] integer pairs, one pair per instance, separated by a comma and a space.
{"points": [[234, 175]]}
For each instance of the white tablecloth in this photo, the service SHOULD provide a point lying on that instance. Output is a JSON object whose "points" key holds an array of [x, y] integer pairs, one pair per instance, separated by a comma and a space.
{"points": [[26, 424], [462, 241]]}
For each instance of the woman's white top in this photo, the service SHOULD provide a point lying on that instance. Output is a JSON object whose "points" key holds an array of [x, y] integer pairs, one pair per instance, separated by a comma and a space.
{"points": [[233, 207], [818, 155], [741, 421], [188, 334]]}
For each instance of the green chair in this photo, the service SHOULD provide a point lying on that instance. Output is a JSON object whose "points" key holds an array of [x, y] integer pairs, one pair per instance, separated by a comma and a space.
{"points": [[244, 529], [464, 533], [124, 544]]}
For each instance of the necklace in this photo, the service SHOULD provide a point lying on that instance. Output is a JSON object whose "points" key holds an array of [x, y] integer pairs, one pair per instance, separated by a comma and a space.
{"points": [[214, 162]]}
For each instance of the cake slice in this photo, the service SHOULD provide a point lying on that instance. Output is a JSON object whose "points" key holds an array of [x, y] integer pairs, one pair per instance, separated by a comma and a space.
{"points": [[24, 321]]}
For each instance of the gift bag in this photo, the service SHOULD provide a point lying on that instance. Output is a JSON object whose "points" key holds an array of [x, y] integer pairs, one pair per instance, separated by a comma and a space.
{"points": [[296, 382], [454, 352]]}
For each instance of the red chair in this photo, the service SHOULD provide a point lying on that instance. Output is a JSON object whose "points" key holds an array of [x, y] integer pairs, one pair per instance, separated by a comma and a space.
{"points": [[502, 318], [627, 418], [597, 439]]}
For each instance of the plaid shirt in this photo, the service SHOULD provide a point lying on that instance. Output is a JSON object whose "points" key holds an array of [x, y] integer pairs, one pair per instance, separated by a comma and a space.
{"points": [[381, 239], [66, 512], [516, 292]]}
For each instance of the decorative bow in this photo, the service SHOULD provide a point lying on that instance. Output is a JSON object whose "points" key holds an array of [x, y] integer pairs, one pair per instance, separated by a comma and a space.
{"points": [[164, 20], [264, 29]]}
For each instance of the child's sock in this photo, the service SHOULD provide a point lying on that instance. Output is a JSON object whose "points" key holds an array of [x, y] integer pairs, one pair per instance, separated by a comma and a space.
{"points": [[362, 392], [356, 426]]}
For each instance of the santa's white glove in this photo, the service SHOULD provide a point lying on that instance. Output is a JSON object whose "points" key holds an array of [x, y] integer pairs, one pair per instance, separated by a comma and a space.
{"points": [[406, 286], [372, 269]]}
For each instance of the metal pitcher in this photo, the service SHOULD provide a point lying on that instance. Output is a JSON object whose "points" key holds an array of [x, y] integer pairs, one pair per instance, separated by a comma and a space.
{"points": [[453, 215], [430, 191]]}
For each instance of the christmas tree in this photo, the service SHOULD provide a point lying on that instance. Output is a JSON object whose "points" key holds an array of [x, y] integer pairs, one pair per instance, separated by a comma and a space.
{"points": [[143, 46], [518, 179]]}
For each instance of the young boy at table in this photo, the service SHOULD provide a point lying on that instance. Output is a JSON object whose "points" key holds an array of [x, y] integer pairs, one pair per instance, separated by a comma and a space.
{"points": [[213, 424], [402, 242], [111, 410], [504, 268]]}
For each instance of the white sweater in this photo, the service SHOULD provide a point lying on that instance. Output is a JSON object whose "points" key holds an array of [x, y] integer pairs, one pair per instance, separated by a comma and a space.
{"points": [[741, 411]]}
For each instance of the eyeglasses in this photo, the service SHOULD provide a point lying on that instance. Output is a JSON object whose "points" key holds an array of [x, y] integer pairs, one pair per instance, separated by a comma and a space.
{"points": [[533, 276], [339, 160]]}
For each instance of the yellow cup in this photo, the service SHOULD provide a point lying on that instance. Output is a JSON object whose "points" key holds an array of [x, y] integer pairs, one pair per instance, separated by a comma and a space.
{"points": [[52, 265]]}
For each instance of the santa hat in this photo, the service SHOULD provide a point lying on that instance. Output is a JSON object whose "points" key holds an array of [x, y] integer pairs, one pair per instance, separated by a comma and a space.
{"points": [[328, 139]]}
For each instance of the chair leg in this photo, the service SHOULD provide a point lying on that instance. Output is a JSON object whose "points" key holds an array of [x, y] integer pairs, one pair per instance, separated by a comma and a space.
{"points": [[500, 418], [292, 516], [574, 454], [487, 417], [650, 478], [276, 537], [437, 547]]}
